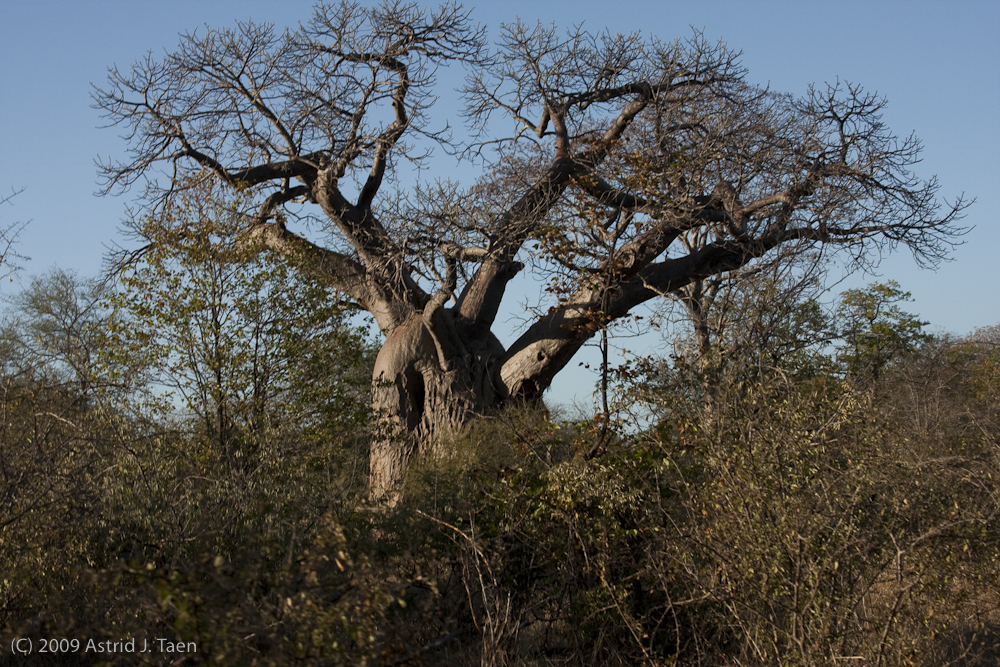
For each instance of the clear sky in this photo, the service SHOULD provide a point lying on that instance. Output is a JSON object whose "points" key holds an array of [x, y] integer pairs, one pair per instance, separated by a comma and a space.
{"points": [[937, 63]]}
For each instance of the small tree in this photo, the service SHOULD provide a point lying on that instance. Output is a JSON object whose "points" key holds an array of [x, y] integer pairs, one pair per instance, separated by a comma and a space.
{"points": [[654, 138], [235, 337], [875, 330]]}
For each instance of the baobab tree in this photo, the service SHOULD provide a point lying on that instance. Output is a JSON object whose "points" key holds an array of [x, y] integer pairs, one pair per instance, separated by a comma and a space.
{"points": [[598, 154]]}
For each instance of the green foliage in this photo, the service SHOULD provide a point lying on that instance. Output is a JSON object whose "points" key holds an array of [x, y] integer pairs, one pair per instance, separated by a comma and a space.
{"points": [[875, 330], [777, 511], [180, 456], [232, 334]]}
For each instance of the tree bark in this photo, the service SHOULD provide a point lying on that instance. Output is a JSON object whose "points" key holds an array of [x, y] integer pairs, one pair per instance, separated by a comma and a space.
{"points": [[425, 388]]}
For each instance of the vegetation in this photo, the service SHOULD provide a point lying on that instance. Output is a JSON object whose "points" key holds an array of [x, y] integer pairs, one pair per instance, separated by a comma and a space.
{"points": [[186, 446], [839, 502]]}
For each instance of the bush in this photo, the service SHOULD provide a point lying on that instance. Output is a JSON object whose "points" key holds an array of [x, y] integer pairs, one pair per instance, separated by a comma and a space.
{"points": [[772, 515]]}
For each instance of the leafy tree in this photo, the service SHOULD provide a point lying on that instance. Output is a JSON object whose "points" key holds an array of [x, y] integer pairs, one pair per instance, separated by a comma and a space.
{"points": [[54, 426], [235, 337], [654, 139], [52, 332], [875, 330]]}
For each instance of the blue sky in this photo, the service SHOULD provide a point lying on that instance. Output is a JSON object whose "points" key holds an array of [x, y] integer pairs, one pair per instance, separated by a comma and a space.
{"points": [[937, 63]]}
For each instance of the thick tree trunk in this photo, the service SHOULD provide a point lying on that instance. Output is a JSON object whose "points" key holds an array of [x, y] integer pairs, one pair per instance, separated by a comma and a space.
{"points": [[424, 390]]}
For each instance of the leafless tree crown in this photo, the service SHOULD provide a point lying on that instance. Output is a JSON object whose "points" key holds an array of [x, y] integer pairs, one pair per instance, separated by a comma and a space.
{"points": [[626, 166]]}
